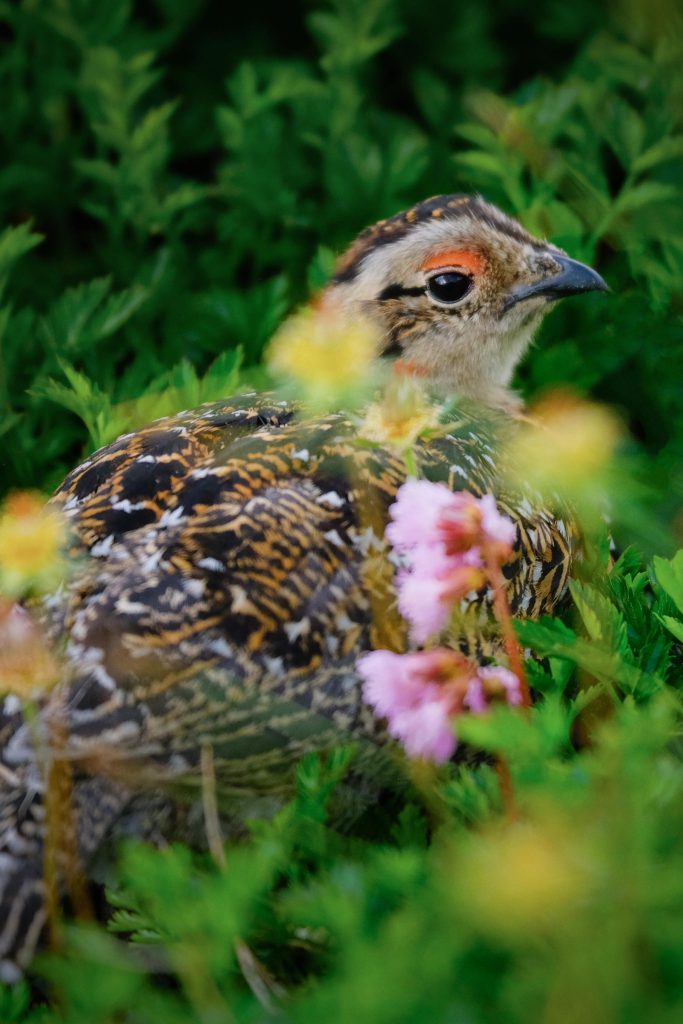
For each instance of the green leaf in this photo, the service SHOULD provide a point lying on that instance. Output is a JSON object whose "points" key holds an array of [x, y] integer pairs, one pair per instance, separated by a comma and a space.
{"points": [[66, 323], [15, 243], [14, 1002], [82, 397], [87, 314], [117, 311], [669, 574], [602, 619], [545, 635], [662, 151], [637, 197], [673, 625]]}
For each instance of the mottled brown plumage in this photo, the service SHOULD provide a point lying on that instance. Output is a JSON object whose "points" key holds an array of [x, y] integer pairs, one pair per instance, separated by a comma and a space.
{"points": [[235, 567]]}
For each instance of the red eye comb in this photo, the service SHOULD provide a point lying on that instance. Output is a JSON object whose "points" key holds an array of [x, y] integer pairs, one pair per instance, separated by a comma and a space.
{"points": [[460, 259]]}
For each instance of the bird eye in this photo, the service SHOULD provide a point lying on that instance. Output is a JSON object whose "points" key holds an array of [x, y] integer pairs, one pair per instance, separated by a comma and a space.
{"points": [[449, 286]]}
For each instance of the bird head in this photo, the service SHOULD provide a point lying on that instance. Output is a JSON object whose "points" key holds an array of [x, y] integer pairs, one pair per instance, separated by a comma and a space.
{"points": [[457, 289]]}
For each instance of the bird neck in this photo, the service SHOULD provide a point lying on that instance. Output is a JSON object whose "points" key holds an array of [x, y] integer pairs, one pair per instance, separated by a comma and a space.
{"points": [[473, 360]]}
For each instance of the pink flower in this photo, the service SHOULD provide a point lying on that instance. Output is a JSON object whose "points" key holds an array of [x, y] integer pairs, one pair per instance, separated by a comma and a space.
{"points": [[424, 601], [492, 681], [416, 512], [421, 692], [443, 536], [470, 521], [475, 699], [391, 684], [459, 526], [426, 729], [412, 692], [427, 513], [500, 681], [435, 560], [427, 594]]}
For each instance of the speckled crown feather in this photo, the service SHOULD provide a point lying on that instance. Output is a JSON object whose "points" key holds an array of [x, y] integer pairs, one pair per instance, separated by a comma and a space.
{"points": [[443, 207]]}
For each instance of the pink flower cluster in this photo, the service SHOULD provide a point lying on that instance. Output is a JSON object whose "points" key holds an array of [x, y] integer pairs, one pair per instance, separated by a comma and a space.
{"points": [[421, 692], [446, 538], [449, 541]]}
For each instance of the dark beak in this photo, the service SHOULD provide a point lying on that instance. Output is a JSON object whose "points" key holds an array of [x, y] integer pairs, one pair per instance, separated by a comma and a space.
{"points": [[572, 279]]}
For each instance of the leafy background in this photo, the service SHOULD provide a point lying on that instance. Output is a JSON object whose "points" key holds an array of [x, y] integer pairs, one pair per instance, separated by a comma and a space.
{"points": [[179, 174]]}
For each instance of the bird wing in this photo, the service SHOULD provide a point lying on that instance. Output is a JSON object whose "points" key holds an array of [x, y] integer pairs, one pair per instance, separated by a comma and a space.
{"points": [[133, 481], [268, 577]]}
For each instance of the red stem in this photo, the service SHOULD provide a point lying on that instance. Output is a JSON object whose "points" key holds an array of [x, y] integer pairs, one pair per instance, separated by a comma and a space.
{"points": [[501, 608], [507, 791]]}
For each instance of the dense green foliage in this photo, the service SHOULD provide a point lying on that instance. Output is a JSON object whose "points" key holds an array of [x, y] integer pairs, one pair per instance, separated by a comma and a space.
{"points": [[178, 174]]}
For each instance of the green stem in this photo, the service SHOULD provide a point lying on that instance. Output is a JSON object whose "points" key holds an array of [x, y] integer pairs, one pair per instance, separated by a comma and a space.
{"points": [[411, 462]]}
